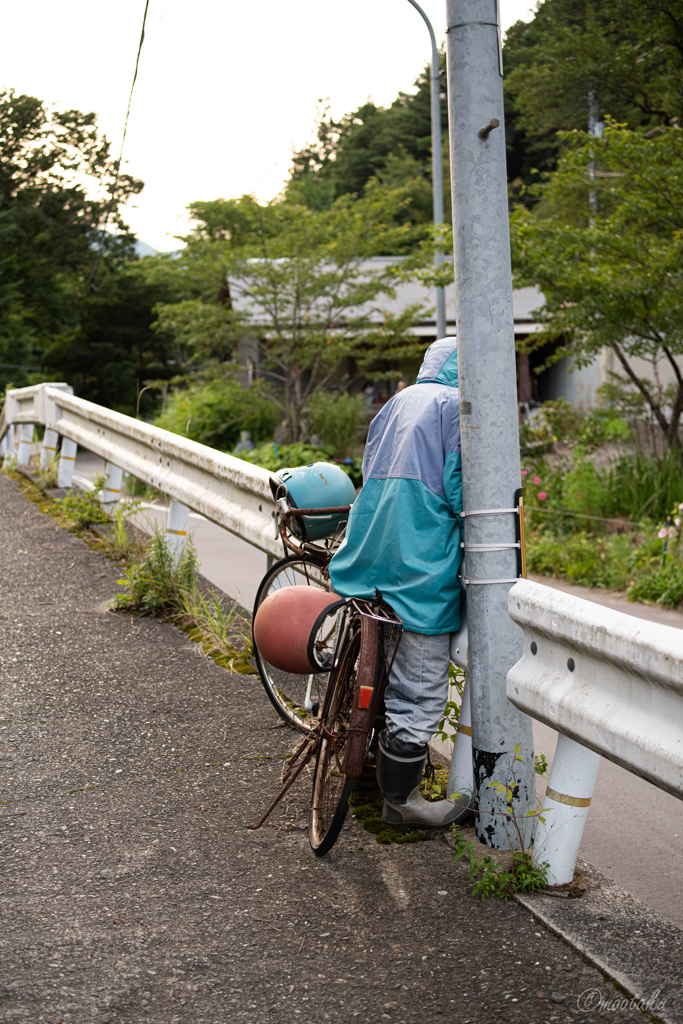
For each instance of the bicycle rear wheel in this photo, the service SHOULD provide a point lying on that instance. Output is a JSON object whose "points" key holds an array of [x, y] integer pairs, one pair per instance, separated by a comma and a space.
{"points": [[331, 788], [296, 698]]}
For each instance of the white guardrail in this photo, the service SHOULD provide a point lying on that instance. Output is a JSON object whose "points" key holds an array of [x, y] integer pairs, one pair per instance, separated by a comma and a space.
{"points": [[610, 684], [228, 491]]}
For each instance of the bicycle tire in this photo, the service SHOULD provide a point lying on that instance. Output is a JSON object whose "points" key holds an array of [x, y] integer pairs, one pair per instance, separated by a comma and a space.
{"points": [[331, 788], [287, 691]]}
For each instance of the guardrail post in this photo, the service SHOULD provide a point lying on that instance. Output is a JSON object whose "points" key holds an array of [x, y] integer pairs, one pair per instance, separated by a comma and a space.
{"points": [[67, 461], [565, 808], [111, 491], [49, 447], [25, 433], [176, 528], [8, 454], [461, 774], [17, 442]]}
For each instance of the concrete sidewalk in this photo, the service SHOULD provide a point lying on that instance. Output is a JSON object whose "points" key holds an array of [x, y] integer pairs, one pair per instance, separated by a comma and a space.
{"points": [[132, 888]]}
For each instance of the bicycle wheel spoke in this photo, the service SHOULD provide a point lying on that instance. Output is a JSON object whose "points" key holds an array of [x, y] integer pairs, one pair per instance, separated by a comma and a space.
{"points": [[331, 787]]}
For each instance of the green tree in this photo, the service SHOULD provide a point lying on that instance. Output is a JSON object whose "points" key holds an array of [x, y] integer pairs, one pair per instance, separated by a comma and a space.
{"points": [[607, 252], [201, 332], [109, 349], [312, 301], [391, 144], [295, 280], [629, 56], [55, 171]]}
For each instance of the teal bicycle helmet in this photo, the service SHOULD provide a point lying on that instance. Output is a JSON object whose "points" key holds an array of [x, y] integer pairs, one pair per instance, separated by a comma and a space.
{"points": [[320, 485]]}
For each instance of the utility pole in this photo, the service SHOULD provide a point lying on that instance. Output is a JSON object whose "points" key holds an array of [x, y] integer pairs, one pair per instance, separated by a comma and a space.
{"points": [[437, 169], [596, 128], [488, 409]]}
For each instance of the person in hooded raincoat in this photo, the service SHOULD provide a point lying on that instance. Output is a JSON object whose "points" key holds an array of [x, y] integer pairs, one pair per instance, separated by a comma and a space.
{"points": [[403, 539]]}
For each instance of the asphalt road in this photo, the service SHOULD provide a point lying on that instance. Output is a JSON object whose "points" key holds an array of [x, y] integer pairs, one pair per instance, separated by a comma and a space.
{"points": [[132, 889]]}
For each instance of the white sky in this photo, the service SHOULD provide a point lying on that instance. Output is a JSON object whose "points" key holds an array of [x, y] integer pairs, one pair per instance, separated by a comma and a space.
{"points": [[225, 91]]}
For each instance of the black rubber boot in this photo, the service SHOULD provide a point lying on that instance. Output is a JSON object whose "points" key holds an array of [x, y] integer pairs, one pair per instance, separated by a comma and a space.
{"points": [[399, 773]]}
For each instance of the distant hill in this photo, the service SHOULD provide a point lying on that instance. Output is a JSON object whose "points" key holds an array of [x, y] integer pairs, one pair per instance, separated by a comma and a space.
{"points": [[142, 249]]}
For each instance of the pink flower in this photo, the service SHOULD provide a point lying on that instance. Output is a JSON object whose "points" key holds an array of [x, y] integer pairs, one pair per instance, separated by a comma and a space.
{"points": [[672, 532], [677, 523], [662, 533], [537, 480], [681, 506], [542, 495], [524, 472]]}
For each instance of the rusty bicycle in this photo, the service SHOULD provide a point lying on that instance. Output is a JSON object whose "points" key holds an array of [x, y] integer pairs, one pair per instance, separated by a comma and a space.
{"points": [[363, 638]]}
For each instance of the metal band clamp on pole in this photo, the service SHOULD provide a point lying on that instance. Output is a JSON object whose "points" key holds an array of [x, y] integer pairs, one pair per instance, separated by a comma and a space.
{"points": [[518, 544]]}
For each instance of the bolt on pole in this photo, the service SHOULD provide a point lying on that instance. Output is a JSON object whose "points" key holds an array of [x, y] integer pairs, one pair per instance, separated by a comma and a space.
{"points": [[437, 168], [488, 410]]}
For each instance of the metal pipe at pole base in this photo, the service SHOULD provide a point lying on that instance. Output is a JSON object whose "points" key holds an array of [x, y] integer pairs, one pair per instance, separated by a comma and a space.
{"points": [[176, 528], [488, 412], [67, 461], [48, 450], [111, 491], [565, 809], [461, 776]]}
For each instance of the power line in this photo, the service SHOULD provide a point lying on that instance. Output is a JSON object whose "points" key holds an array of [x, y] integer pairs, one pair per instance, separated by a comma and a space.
{"points": [[117, 165]]}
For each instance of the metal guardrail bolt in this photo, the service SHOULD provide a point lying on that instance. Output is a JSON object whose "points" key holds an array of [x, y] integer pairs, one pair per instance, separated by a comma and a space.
{"points": [[488, 128]]}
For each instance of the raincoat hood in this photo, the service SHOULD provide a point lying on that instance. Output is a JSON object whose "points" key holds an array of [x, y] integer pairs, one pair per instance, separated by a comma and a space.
{"points": [[440, 365]]}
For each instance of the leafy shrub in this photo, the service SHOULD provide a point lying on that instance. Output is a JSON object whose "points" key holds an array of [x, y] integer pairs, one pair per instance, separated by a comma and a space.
{"points": [[584, 489], [557, 420], [215, 411], [642, 484], [336, 420], [600, 427], [663, 586], [553, 421], [582, 558], [82, 509], [273, 457]]}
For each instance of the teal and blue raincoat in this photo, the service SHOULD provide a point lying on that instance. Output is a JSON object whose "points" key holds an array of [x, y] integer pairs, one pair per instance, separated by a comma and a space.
{"points": [[403, 536]]}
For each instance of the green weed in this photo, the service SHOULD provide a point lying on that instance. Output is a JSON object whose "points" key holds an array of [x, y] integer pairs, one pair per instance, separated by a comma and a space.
{"points": [[48, 476], [451, 715], [489, 877], [80, 510], [157, 583], [223, 632]]}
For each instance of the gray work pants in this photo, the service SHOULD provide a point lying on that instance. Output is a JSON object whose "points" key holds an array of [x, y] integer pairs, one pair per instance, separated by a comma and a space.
{"points": [[417, 691]]}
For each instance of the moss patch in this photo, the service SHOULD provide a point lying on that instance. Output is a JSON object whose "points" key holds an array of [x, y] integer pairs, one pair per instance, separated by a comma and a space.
{"points": [[367, 810]]}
